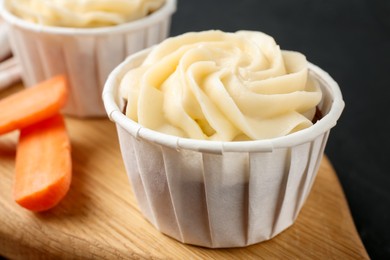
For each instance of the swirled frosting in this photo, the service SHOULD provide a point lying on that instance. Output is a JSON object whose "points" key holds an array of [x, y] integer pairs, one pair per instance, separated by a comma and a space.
{"points": [[82, 13], [221, 86]]}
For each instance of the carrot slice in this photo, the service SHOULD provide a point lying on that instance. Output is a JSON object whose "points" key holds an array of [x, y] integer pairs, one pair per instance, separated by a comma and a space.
{"points": [[33, 104], [43, 167]]}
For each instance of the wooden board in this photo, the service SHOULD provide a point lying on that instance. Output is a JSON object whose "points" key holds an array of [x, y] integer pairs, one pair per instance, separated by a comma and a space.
{"points": [[99, 218]]}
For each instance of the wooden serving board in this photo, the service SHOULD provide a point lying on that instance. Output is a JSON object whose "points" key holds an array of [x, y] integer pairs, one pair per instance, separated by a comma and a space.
{"points": [[99, 217]]}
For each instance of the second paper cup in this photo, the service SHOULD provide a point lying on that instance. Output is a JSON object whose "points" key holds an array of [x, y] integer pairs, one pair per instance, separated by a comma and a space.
{"points": [[85, 55]]}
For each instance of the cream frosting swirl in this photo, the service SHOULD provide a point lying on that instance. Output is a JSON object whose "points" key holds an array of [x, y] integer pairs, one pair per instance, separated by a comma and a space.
{"points": [[82, 13], [215, 85]]}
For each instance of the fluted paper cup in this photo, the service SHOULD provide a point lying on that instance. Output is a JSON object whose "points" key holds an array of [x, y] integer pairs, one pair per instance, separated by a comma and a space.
{"points": [[221, 194], [85, 55]]}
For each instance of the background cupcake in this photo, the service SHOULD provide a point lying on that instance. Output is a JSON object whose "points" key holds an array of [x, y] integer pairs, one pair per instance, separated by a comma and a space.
{"points": [[210, 190], [85, 40]]}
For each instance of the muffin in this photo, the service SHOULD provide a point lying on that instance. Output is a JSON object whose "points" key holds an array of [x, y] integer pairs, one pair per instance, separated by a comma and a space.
{"points": [[219, 136], [84, 40]]}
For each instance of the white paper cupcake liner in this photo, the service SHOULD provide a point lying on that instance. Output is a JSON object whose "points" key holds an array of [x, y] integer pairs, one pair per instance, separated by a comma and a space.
{"points": [[221, 194], [85, 55]]}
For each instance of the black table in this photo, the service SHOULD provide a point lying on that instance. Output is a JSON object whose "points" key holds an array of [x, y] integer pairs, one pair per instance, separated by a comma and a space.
{"points": [[350, 39]]}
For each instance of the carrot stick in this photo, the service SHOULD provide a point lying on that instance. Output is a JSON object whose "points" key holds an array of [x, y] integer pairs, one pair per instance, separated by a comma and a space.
{"points": [[43, 167], [33, 104]]}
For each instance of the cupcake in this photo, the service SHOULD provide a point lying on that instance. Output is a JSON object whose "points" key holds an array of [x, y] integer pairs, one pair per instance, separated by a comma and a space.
{"points": [[84, 40], [220, 134]]}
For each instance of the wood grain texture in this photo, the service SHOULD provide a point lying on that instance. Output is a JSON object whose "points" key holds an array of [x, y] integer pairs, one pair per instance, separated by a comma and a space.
{"points": [[99, 217]]}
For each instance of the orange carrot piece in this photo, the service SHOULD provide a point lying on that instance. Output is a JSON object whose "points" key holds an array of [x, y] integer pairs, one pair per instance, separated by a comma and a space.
{"points": [[43, 167], [33, 104]]}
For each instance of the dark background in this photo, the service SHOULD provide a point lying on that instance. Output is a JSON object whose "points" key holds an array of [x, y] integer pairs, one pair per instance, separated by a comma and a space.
{"points": [[350, 39]]}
